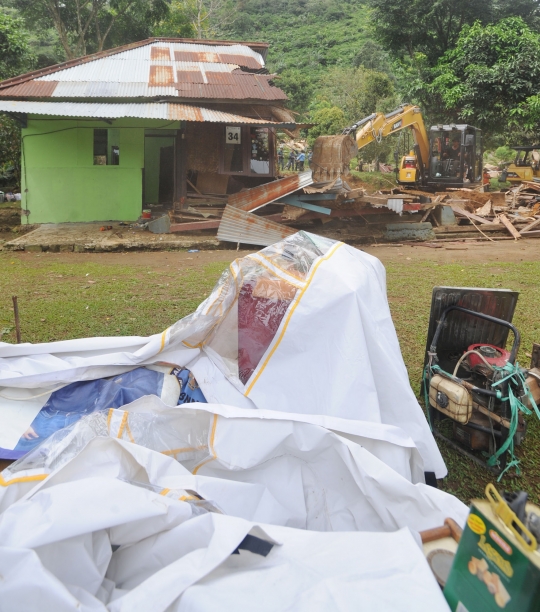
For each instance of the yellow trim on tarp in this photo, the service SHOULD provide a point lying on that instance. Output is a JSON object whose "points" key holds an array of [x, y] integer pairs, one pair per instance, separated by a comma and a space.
{"points": [[212, 438], [109, 417], [294, 283], [163, 338], [128, 430], [177, 451], [290, 314], [6, 483], [122, 425], [257, 255], [164, 491]]}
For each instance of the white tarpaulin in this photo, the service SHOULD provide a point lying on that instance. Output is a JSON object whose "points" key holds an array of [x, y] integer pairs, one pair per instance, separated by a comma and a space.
{"points": [[107, 515], [302, 326], [298, 486]]}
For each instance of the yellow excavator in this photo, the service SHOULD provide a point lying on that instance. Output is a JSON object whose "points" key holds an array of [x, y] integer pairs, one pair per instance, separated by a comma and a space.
{"points": [[525, 167], [450, 156]]}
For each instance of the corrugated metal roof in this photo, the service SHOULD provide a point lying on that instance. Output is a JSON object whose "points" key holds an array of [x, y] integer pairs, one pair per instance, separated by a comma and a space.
{"points": [[242, 226], [152, 110], [251, 199], [156, 69], [257, 48], [35, 89], [134, 65]]}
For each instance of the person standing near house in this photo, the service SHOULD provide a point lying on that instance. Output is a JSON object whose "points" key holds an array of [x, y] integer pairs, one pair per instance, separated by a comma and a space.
{"points": [[280, 159], [290, 161], [300, 161]]}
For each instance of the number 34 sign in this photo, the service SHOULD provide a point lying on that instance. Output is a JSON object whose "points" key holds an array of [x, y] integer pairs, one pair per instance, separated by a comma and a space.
{"points": [[232, 135]]}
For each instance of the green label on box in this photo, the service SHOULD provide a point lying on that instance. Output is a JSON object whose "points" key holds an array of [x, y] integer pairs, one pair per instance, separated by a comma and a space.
{"points": [[490, 571]]}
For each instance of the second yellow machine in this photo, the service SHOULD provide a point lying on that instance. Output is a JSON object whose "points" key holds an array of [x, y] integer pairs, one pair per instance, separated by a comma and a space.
{"points": [[450, 156]]}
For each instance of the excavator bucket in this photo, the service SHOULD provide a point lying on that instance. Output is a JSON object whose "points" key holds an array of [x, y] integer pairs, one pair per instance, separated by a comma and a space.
{"points": [[331, 157]]}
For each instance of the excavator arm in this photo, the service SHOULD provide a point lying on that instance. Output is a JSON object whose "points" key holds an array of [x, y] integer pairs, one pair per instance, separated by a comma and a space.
{"points": [[377, 126]]}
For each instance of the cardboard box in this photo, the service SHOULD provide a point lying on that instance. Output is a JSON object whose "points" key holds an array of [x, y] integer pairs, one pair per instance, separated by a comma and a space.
{"points": [[495, 568]]}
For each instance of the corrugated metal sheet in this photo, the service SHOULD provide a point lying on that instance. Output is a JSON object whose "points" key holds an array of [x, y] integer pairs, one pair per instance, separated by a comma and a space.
{"points": [[140, 51], [133, 65], [242, 226], [151, 110], [190, 76], [161, 75], [148, 71], [246, 87], [160, 53], [32, 89], [245, 61], [251, 199], [115, 90]]}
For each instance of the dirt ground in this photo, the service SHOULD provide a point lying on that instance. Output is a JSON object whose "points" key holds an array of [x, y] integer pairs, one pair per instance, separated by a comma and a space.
{"points": [[453, 252]]}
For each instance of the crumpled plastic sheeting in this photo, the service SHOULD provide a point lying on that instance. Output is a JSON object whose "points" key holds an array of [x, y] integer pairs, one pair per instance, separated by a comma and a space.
{"points": [[303, 326], [305, 475], [190, 567], [95, 522]]}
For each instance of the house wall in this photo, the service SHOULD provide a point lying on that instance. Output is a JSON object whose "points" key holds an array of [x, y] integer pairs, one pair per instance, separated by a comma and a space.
{"points": [[60, 182]]}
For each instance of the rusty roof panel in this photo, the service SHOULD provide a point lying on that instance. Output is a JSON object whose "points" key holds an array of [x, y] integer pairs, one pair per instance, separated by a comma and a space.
{"points": [[183, 112], [244, 87], [190, 76], [160, 53], [219, 78], [242, 226], [31, 89], [141, 50], [161, 75], [152, 110], [240, 60], [256, 197]]}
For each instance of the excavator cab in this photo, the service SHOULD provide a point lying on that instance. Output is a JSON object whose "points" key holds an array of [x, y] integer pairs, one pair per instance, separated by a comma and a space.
{"points": [[455, 156], [526, 165]]}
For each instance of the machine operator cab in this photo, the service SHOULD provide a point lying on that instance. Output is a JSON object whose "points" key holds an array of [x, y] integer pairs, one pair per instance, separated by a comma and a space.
{"points": [[526, 165], [455, 156]]}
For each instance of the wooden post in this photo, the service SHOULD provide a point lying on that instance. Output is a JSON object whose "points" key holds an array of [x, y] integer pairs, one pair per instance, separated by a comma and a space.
{"points": [[180, 170], [17, 321]]}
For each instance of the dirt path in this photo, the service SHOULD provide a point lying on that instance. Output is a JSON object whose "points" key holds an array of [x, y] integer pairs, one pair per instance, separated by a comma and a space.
{"points": [[501, 251]]}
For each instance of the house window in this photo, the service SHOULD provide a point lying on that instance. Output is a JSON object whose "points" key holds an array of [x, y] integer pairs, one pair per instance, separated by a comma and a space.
{"points": [[107, 147], [247, 151]]}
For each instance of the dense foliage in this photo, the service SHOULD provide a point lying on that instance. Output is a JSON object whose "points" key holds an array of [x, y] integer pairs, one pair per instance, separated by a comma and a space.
{"points": [[491, 71], [338, 60]]}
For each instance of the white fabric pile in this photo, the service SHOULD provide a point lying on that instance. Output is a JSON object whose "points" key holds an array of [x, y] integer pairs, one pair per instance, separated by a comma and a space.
{"points": [[313, 446]]}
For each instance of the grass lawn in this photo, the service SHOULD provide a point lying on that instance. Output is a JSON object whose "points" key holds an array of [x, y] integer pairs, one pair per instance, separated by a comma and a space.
{"points": [[67, 296]]}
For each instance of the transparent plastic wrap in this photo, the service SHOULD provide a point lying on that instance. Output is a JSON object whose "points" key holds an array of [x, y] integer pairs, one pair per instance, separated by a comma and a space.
{"points": [[189, 446], [250, 301]]}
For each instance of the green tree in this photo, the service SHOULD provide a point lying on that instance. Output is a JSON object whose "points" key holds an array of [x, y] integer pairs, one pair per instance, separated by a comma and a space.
{"points": [[373, 57], [85, 26], [329, 120], [357, 91], [177, 22], [490, 74], [431, 28], [15, 57], [15, 54], [298, 87]]}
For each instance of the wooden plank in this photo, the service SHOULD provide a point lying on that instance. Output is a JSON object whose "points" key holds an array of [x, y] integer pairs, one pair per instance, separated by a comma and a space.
{"points": [[469, 215], [533, 234], [530, 226], [464, 229], [506, 222]]}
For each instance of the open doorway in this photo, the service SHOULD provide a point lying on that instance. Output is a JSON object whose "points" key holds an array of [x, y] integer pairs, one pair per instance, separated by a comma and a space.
{"points": [[159, 168]]}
